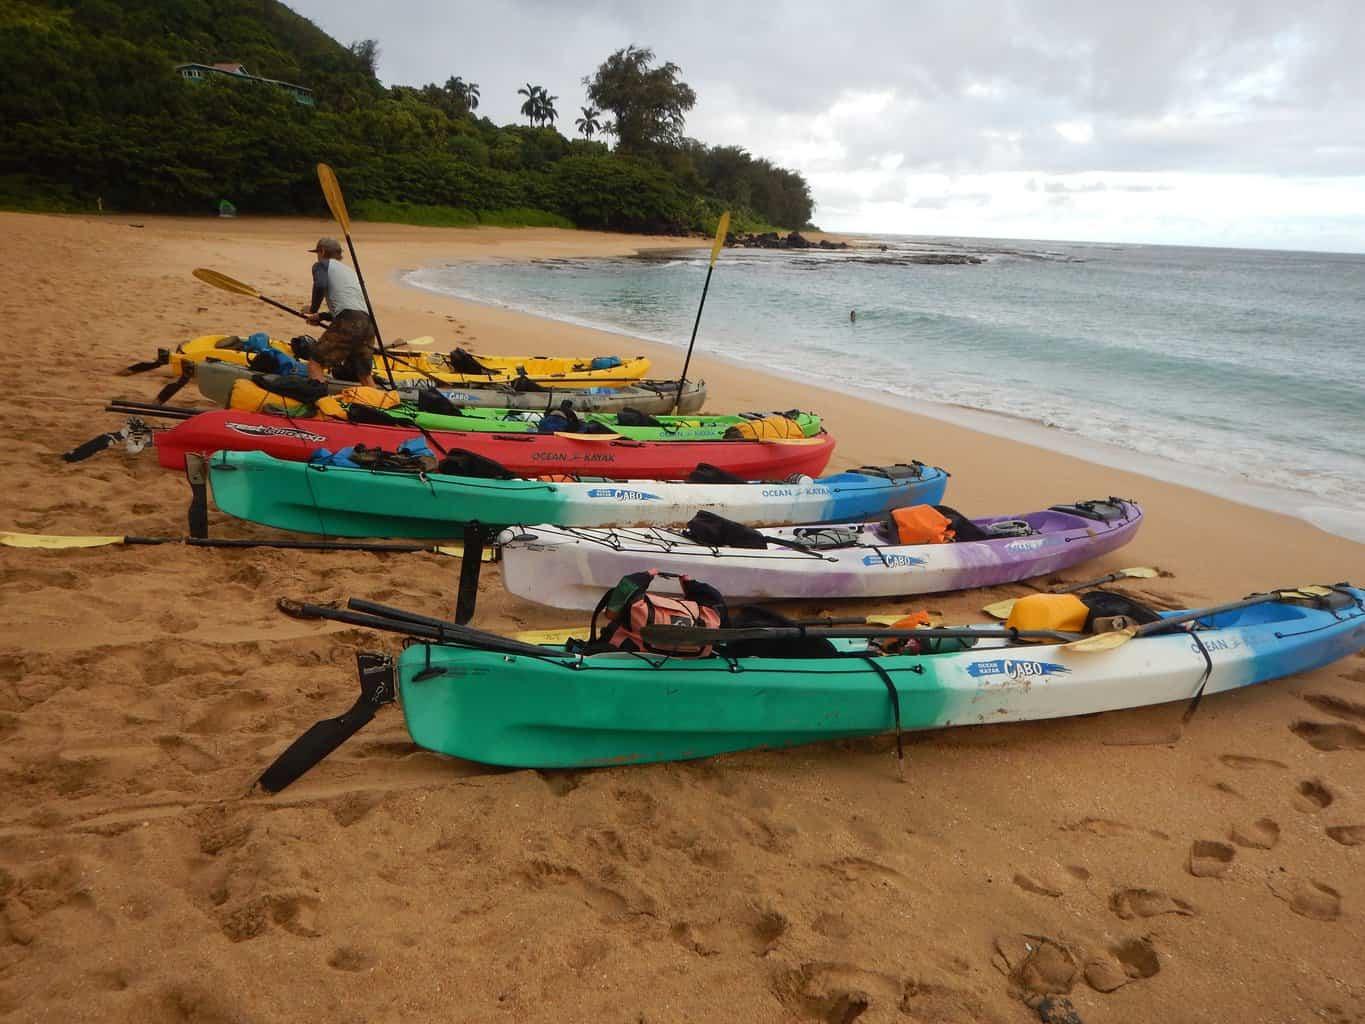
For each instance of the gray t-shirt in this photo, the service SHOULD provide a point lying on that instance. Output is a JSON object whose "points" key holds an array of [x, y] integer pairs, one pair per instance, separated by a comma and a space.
{"points": [[337, 283]]}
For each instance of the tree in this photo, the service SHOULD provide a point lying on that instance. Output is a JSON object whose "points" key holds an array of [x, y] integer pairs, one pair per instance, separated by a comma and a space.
{"points": [[531, 108], [650, 103], [466, 94], [366, 51], [588, 124], [547, 112]]}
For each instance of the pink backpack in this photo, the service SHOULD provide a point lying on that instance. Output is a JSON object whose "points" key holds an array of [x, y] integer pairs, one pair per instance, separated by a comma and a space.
{"points": [[628, 608]]}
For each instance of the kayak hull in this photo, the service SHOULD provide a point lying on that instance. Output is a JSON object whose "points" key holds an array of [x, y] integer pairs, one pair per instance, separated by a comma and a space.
{"points": [[568, 568], [215, 378], [530, 454], [615, 709], [343, 502]]}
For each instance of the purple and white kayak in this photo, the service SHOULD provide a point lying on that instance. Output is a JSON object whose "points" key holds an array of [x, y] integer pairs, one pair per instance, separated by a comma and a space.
{"points": [[572, 567]]}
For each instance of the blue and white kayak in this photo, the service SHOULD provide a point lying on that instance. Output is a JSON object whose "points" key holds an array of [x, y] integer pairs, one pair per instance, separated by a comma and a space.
{"points": [[345, 502]]}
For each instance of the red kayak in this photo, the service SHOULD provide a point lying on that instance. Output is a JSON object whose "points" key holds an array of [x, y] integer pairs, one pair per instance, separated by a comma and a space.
{"points": [[528, 454]]}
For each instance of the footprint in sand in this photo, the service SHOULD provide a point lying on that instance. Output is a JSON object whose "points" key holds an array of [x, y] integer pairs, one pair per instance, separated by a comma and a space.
{"points": [[1131, 960], [1312, 796], [1210, 859], [1261, 834], [1329, 735], [1333, 705], [1244, 762], [1306, 897], [1141, 903], [1347, 835], [348, 958]]}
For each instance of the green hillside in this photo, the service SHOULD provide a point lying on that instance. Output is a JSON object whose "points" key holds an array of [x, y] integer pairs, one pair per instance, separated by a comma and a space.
{"points": [[95, 111]]}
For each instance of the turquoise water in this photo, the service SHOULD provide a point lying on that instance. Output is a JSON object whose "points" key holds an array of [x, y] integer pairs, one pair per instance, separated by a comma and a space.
{"points": [[1242, 368]]}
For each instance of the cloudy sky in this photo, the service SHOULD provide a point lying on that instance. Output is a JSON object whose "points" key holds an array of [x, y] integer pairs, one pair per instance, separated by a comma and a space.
{"points": [[1230, 122]]}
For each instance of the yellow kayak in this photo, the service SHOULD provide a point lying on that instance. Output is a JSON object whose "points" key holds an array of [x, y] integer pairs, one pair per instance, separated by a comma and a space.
{"points": [[459, 367]]}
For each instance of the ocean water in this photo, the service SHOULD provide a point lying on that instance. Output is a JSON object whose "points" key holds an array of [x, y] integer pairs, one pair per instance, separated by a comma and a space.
{"points": [[1239, 372]]}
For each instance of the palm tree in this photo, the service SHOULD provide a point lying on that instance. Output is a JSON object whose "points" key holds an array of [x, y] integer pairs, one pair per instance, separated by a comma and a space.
{"points": [[588, 124], [464, 93], [531, 108], [547, 112]]}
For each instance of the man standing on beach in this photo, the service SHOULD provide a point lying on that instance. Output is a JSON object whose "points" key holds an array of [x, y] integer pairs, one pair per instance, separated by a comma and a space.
{"points": [[346, 347]]}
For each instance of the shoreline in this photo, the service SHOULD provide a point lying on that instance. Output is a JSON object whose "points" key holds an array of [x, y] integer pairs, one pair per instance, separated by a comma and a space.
{"points": [[1333, 520]]}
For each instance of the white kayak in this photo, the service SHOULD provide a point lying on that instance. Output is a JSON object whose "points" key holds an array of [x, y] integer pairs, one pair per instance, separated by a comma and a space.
{"points": [[572, 567]]}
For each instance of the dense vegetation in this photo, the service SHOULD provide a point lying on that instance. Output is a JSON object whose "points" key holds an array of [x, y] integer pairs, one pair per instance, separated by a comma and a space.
{"points": [[94, 111]]}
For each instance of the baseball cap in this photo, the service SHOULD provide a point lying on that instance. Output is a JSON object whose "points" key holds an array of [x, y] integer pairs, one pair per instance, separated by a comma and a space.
{"points": [[330, 246]]}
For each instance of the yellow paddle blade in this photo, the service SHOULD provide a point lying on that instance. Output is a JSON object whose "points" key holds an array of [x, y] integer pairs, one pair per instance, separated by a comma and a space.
{"points": [[1102, 641], [1315, 591], [1142, 572], [590, 437], [457, 551], [558, 637], [790, 440], [722, 229], [45, 540], [228, 284], [1001, 609], [336, 202]]}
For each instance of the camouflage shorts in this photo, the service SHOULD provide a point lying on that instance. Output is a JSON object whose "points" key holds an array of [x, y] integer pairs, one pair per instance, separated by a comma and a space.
{"points": [[349, 341]]}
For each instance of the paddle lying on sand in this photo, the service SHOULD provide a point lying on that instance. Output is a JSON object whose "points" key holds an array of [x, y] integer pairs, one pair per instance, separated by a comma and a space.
{"points": [[52, 542], [336, 202], [1002, 609]]}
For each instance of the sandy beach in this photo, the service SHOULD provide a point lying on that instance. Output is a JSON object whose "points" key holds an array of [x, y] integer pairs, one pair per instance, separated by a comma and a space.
{"points": [[142, 690]]}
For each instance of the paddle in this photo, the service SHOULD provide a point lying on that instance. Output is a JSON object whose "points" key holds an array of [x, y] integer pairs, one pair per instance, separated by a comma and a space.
{"points": [[721, 228], [231, 284], [671, 635], [1118, 637], [58, 542], [336, 202], [424, 627], [1002, 609], [559, 637]]}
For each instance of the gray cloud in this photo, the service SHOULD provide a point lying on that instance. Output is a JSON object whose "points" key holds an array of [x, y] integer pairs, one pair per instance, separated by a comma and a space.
{"points": [[1166, 87]]}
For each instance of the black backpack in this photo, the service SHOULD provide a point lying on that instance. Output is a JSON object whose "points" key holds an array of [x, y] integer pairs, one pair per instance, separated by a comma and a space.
{"points": [[718, 532], [705, 473], [303, 389], [461, 361], [434, 401], [629, 417], [1105, 604], [459, 462]]}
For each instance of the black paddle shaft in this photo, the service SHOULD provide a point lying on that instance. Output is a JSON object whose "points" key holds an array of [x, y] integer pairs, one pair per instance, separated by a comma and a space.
{"points": [[662, 635]]}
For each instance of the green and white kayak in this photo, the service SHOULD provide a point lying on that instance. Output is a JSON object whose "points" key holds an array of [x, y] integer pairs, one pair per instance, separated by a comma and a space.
{"points": [[562, 710]]}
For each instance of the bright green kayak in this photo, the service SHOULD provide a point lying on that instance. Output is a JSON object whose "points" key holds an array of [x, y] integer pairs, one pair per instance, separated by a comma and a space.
{"points": [[661, 428]]}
